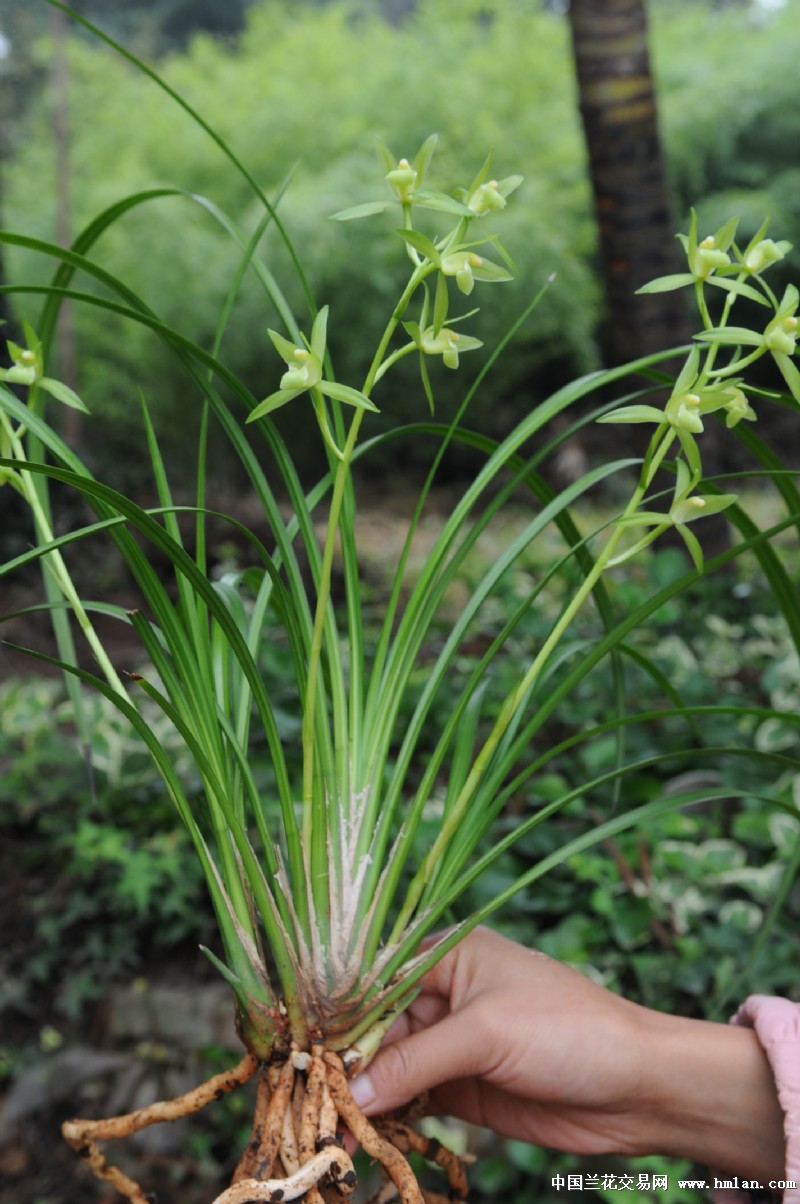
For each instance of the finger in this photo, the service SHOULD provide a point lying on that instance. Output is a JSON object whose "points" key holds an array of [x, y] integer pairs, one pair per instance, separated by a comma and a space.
{"points": [[424, 1011], [451, 1049]]}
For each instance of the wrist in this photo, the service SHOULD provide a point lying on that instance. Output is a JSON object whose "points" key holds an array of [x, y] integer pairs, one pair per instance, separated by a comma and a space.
{"points": [[708, 1094]]}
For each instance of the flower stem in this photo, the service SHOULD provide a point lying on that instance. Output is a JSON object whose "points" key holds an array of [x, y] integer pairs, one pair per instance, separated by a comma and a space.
{"points": [[516, 699]]}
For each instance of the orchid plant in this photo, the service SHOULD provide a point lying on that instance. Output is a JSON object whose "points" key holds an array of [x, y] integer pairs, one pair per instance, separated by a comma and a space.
{"points": [[327, 908]]}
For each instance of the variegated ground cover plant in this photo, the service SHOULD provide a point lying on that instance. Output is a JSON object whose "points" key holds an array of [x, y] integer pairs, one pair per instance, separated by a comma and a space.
{"points": [[327, 910]]}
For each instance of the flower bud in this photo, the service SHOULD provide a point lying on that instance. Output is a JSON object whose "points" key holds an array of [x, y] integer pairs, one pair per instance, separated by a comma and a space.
{"points": [[687, 509], [707, 258], [782, 336], [486, 197], [684, 411], [738, 408], [402, 180], [764, 253], [26, 366], [461, 264], [304, 372], [448, 344]]}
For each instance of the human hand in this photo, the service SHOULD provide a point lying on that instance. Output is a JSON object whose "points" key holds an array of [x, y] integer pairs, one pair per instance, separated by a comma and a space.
{"points": [[506, 1037]]}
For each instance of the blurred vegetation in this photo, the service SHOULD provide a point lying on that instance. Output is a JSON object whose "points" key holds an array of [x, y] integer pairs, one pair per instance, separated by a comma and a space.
{"points": [[301, 92]]}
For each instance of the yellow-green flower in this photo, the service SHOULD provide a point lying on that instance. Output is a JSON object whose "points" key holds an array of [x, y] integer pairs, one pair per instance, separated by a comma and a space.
{"points": [[779, 338], [738, 407], [304, 372], [448, 343], [683, 410], [710, 254], [468, 266], [690, 402], [490, 196], [26, 366], [781, 333], [762, 254], [402, 180]]}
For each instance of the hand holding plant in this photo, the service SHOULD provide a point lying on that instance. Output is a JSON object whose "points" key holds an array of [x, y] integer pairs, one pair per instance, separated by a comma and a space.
{"points": [[506, 1037]]}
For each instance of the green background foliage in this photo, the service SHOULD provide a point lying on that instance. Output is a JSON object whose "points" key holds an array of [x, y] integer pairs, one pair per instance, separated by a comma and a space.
{"points": [[302, 91]]}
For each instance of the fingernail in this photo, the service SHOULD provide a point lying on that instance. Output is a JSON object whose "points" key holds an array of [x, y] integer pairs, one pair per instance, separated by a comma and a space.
{"points": [[362, 1090]]}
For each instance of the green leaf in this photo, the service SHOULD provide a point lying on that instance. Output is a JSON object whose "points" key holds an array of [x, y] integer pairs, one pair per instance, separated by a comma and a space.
{"points": [[739, 289], [424, 155], [637, 413], [62, 393], [273, 402], [386, 159], [351, 397], [509, 184], [441, 202], [488, 271], [724, 236], [420, 242], [789, 373], [483, 174], [734, 336], [688, 373], [666, 284], [284, 348], [367, 209], [691, 451], [319, 334], [693, 544], [642, 518]]}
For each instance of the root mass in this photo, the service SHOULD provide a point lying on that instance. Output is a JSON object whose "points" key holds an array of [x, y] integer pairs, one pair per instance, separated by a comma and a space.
{"points": [[295, 1149]]}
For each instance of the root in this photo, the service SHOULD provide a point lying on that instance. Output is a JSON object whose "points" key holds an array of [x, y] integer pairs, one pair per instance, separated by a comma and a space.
{"points": [[295, 1149], [275, 1087], [83, 1135], [333, 1162], [249, 1159], [379, 1148], [406, 1138]]}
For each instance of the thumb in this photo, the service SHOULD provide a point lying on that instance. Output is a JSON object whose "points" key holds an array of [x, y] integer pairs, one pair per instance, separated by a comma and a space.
{"points": [[405, 1068]]}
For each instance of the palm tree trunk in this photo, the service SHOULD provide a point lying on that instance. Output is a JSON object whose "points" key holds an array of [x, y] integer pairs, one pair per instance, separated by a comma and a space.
{"points": [[636, 229]]}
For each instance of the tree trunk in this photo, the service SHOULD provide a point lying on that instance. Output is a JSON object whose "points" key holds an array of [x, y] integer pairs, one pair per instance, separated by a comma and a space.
{"points": [[635, 226]]}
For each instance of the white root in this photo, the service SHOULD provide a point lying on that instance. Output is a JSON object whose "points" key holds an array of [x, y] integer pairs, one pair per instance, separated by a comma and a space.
{"points": [[332, 1161], [289, 1152], [328, 1116]]}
